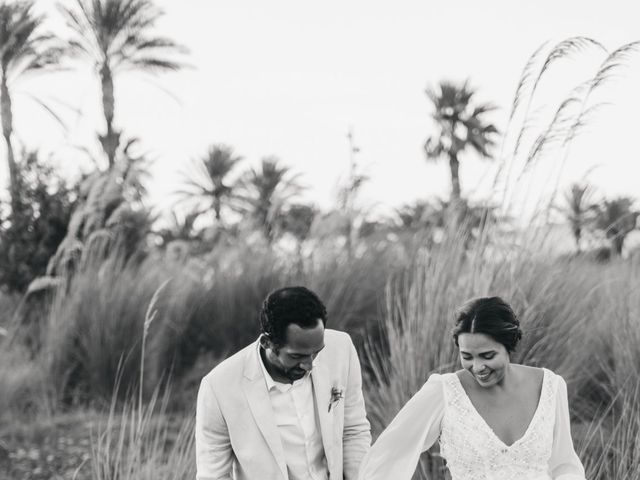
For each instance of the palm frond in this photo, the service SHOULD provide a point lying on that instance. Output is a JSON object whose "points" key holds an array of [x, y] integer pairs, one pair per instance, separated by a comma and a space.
{"points": [[266, 189], [50, 111], [151, 64], [482, 109], [116, 32], [205, 181], [460, 123], [24, 45], [153, 43]]}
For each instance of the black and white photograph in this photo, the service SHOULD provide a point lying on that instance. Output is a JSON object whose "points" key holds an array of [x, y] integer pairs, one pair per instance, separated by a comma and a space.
{"points": [[288, 240]]}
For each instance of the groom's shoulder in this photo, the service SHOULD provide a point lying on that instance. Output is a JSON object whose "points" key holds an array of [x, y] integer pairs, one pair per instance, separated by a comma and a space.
{"points": [[337, 339], [337, 344], [231, 367]]}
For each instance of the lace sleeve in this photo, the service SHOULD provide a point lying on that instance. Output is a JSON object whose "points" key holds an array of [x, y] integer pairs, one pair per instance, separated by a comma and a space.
{"points": [[564, 463], [414, 429]]}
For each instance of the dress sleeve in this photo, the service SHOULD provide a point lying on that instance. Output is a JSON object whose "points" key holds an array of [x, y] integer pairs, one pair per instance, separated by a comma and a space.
{"points": [[415, 429], [564, 463]]}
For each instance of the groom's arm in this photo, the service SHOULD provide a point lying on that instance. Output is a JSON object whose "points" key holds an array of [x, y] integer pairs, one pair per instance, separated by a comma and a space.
{"points": [[214, 456], [357, 431]]}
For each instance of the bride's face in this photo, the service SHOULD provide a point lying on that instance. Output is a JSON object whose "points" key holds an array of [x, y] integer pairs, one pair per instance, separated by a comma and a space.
{"points": [[486, 359]]}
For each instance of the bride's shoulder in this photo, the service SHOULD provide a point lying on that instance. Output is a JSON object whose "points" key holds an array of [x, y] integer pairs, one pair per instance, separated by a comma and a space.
{"points": [[437, 377], [534, 372], [528, 375], [535, 375], [528, 371], [437, 380]]}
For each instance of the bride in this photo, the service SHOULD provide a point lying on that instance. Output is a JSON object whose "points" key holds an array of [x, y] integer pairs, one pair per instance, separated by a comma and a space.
{"points": [[494, 420]]}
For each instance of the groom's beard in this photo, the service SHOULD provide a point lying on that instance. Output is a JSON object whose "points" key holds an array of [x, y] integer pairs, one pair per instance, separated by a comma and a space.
{"points": [[276, 368], [295, 373], [292, 373]]}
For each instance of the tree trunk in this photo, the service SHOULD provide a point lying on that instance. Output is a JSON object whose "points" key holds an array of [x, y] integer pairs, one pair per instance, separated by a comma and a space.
{"points": [[454, 166], [577, 236], [456, 209], [217, 206], [617, 242], [7, 130], [266, 223], [111, 140], [299, 259]]}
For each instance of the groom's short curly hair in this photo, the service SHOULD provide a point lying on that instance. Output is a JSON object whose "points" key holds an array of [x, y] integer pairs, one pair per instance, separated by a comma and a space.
{"points": [[288, 305], [493, 317]]}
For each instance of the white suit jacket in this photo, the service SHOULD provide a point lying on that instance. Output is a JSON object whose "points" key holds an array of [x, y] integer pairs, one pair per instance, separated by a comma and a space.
{"points": [[236, 434]]}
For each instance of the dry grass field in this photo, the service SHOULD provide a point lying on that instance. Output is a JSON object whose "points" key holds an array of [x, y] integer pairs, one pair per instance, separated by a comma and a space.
{"points": [[76, 406]]}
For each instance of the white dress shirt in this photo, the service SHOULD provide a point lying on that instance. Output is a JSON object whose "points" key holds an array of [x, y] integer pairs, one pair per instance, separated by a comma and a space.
{"points": [[295, 415]]}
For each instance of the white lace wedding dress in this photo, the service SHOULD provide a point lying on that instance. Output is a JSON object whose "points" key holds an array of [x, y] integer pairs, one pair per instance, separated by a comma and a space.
{"points": [[442, 411]]}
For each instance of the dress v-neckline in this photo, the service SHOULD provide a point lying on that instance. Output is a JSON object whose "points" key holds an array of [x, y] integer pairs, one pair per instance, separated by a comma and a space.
{"points": [[488, 427]]}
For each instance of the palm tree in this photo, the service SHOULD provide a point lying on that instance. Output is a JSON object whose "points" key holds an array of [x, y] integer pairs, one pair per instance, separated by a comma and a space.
{"points": [[578, 210], [460, 125], [297, 220], [115, 36], [209, 181], [266, 190], [180, 228], [24, 48], [616, 218]]}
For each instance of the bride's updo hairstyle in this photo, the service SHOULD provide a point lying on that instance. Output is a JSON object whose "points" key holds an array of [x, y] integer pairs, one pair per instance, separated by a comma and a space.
{"points": [[493, 317]]}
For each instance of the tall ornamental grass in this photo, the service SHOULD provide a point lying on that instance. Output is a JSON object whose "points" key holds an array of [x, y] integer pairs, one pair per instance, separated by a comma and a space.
{"points": [[207, 311], [140, 440], [579, 320]]}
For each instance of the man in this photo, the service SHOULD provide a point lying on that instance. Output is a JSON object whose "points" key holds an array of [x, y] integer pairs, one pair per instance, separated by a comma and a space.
{"points": [[287, 407]]}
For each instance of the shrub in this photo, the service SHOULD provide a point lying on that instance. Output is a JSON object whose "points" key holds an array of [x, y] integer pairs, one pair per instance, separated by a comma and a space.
{"points": [[30, 236]]}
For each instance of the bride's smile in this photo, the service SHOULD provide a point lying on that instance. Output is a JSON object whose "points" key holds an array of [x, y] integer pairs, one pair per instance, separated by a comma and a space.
{"points": [[484, 358]]}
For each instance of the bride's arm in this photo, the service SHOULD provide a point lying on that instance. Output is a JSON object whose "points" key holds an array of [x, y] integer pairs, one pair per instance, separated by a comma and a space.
{"points": [[414, 429], [564, 462]]}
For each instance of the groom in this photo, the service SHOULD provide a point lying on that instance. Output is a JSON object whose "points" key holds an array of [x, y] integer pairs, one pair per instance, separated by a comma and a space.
{"points": [[287, 407]]}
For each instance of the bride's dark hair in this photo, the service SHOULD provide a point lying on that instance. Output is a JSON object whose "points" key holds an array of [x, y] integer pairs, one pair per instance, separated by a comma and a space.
{"points": [[493, 317]]}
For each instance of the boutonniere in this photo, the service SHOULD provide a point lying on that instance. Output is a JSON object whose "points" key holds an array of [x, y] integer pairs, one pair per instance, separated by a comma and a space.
{"points": [[336, 395]]}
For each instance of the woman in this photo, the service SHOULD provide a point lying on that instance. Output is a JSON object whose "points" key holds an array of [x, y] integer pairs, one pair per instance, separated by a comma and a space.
{"points": [[495, 420]]}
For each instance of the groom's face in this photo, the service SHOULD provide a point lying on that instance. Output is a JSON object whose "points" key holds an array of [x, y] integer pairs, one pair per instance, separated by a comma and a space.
{"points": [[292, 360]]}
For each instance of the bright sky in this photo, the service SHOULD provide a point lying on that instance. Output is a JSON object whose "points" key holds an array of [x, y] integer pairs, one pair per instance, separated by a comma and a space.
{"points": [[289, 78]]}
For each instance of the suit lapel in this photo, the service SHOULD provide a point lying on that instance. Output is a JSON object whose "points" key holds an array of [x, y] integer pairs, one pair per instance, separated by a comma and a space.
{"points": [[322, 393], [255, 390]]}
